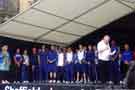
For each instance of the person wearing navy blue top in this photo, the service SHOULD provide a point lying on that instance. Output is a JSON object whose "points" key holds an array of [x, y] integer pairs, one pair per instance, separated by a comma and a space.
{"points": [[114, 64], [35, 65], [76, 65], [18, 61], [126, 58], [52, 60], [42, 54], [90, 58]]}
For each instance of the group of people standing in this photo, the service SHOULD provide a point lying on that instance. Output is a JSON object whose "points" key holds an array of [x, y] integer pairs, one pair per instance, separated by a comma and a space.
{"points": [[113, 63], [104, 63]]}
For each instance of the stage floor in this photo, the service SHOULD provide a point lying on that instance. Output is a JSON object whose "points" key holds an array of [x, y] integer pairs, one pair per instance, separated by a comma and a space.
{"points": [[48, 86]]}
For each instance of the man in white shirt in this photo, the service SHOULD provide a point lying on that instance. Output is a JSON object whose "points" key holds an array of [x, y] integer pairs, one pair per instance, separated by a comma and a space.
{"points": [[104, 53]]}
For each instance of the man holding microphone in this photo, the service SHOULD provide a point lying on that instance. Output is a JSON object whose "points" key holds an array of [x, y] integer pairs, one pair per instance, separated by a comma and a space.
{"points": [[104, 54]]}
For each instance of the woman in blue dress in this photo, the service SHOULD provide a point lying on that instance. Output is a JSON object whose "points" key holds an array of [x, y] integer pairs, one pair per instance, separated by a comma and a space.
{"points": [[52, 60], [25, 67], [18, 61]]}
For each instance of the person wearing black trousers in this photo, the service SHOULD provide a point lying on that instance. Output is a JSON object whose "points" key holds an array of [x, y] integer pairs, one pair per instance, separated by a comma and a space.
{"points": [[104, 53], [35, 65], [18, 62]]}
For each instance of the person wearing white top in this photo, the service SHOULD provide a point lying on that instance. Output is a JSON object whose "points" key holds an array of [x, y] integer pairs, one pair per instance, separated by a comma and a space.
{"points": [[25, 66], [81, 68], [104, 53], [60, 59], [69, 65], [60, 66]]}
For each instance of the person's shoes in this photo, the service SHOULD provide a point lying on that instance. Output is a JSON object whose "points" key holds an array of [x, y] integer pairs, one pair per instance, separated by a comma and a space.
{"points": [[67, 82], [7, 82], [110, 82], [123, 82], [76, 81], [18, 82], [25, 81], [88, 81], [3, 82], [14, 82], [85, 82], [34, 81], [50, 81], [64, 81], [81, 81], [99, 82], [58, 81], [72, 82], [95, 82], [54, 81]]}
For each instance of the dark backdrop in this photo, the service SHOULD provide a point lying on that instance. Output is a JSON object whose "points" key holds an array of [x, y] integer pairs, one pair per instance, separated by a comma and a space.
{"points": [[122, 30]]}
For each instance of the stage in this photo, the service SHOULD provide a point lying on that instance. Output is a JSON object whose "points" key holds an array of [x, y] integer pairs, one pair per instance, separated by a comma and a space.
{"points": [[47, 86]]}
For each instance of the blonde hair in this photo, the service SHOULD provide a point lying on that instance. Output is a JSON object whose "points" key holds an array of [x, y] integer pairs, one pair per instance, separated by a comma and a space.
{"points": [[5, 48]]}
